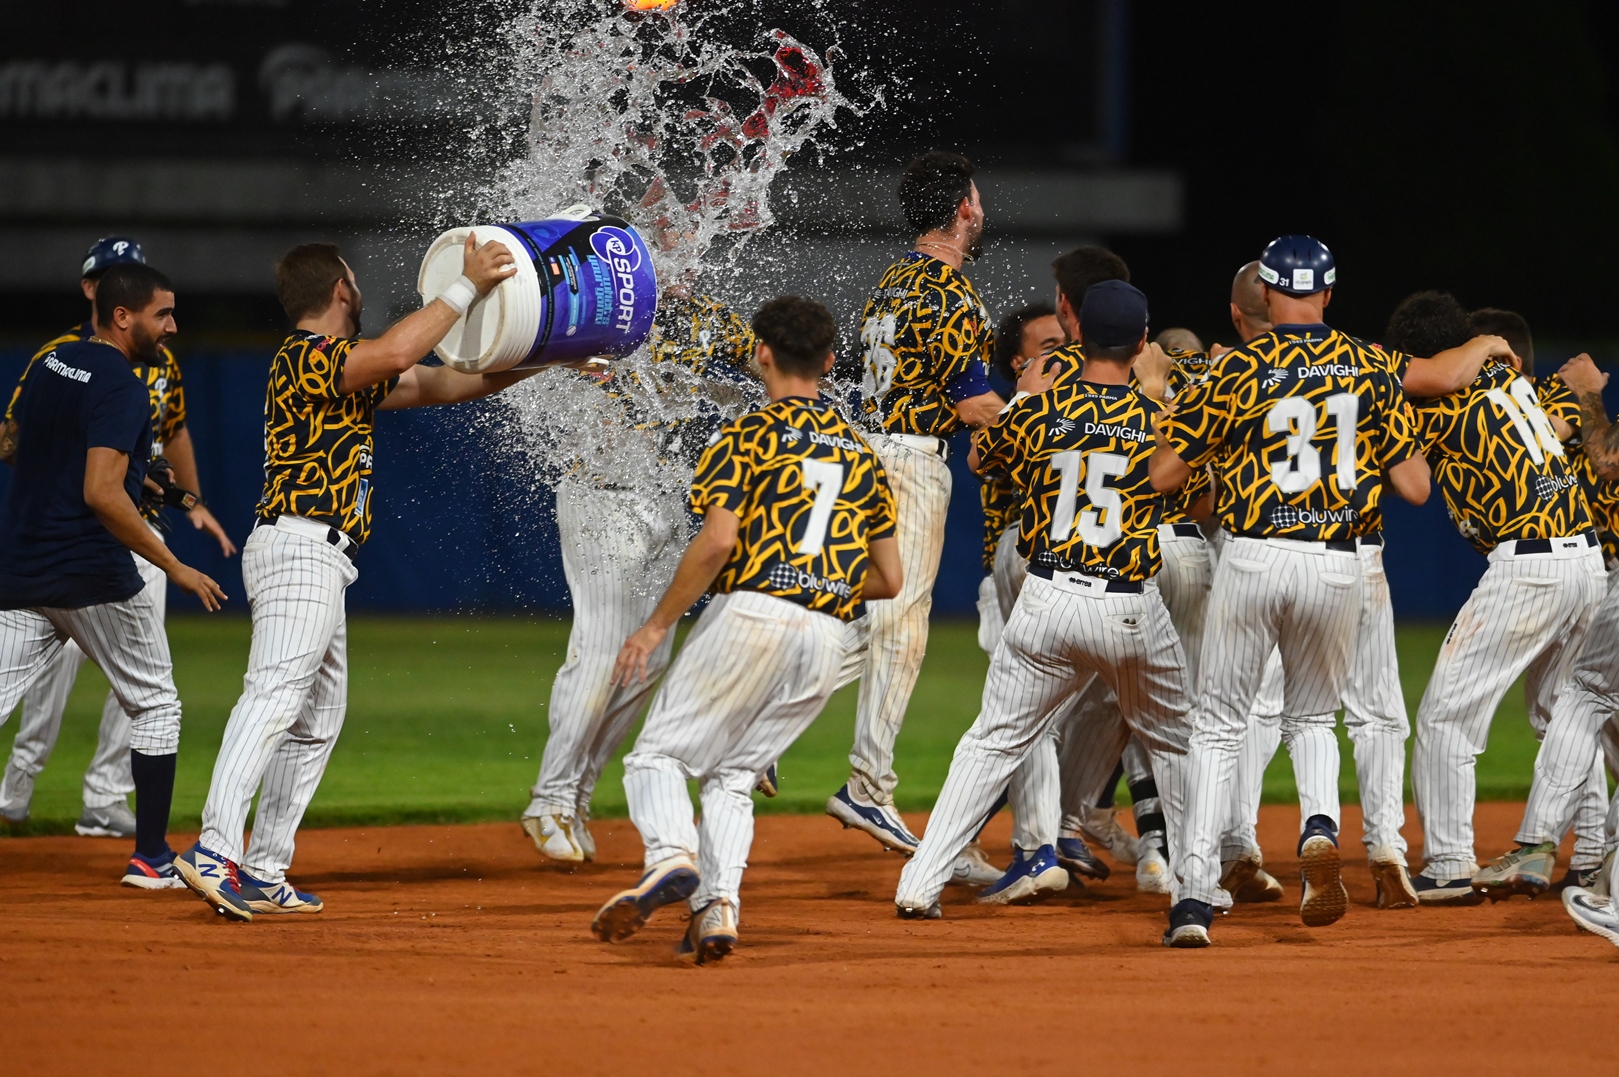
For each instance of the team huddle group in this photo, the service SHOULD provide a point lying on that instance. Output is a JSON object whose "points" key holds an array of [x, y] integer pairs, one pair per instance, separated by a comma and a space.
{"points": [[1184, 569]]}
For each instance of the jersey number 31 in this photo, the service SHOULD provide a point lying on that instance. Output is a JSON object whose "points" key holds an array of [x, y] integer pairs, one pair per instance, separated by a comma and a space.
{"points": [[1295, 416]]}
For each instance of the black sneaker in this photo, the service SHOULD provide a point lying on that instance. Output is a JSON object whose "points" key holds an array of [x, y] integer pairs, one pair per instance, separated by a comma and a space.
{"points": [[1189, 924]]}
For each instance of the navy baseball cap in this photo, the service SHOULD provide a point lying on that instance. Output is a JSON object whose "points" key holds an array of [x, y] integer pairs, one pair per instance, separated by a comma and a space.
{"points": [[1298, 265], [1113, 314], [110, 251]]}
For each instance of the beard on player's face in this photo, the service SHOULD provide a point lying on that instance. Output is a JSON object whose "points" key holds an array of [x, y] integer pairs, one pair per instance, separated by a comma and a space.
{"points": [[356, 305], [147, 342]]}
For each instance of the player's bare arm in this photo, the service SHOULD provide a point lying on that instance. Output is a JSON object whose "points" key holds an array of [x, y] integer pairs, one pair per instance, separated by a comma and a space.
{"points": [[183, 456], [980, 410], [104, 493], [1411, 479], [885, 575], [1601, 438], [424, 386], [410, 338], [696, 573], [1455, 368]]}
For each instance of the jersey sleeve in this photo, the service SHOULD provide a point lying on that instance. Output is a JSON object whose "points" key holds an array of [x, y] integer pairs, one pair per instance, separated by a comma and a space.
{"points": [[1434, 420], [1558, 401], [995, 444], [1201, 419], [318, 368], [882, 510], [723, 474], [961, 341], [1398, 441], [174, 415]]}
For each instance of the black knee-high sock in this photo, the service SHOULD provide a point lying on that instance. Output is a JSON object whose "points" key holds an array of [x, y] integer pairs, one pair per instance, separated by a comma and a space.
{"points": [[1110, 791], [1148, 809], [154, 791]]}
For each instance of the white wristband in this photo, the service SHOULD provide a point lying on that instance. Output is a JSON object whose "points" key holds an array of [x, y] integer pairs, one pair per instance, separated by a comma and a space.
{"points": [[459, 295]]}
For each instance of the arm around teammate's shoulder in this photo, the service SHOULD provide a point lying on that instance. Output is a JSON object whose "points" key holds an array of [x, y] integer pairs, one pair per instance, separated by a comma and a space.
{"points": [[371, 362], [1453, 369]]}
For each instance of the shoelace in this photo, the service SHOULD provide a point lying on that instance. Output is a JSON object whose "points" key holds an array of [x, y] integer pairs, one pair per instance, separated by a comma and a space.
{"points": [[232, 875]]}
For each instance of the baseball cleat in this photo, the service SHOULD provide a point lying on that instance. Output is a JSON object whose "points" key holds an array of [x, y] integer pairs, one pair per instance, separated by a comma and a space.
{"points": [[152, 873], [1031, 877], [113, 821], [1152, 871], [1394, 889], [553, 837], [276, 897], [918, 912], [1525, 870], [16, 792], [1076, 856], [582, 837], [1431, 891], [1101, 827], [1325, 900], [712, 933], [215, 880], [881, 821], [973, 868], [666, 882], [1237, 874], [1592, 912], [1189, 924], [769, 783], [1584, 878]]}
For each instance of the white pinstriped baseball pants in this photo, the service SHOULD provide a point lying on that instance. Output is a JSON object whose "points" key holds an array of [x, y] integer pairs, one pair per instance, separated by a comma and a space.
{"points": [[1529, 614], [1267, 593], [107, 780], [619, 552], [126, 639], [1374, 717], [1583, 723], [899, 626], [1094, 739], [1056, 641], [283, 728], [752, 676]]}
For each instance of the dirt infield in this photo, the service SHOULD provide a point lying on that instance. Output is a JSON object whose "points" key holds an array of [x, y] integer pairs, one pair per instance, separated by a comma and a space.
{"points": [[451, 949]]}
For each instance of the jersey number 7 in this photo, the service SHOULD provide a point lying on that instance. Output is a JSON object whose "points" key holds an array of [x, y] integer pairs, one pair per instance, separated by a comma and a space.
{"points": [[826, 479]]}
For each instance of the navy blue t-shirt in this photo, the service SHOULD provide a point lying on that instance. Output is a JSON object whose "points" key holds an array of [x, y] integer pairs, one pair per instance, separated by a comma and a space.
{"points": [[54, 551]]}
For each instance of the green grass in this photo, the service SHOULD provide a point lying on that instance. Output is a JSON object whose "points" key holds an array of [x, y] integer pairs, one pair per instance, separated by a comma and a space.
{"points": [[447, 719]]}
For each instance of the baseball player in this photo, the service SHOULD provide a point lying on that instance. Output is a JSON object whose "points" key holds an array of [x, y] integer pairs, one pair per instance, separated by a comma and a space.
{"points": [[798, 528], [68, 527], [1570, 784], [927, 341], [1302, 424], [325, 388], [1089, 608], [107, 780], [620, 546], [1508, 486]]}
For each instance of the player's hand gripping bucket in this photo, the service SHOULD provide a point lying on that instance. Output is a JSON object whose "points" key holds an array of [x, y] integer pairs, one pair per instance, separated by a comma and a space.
{"points": [[584, 287]]}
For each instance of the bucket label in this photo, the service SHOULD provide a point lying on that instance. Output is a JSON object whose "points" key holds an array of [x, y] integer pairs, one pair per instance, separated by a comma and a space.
{"points": [[623, 256]]}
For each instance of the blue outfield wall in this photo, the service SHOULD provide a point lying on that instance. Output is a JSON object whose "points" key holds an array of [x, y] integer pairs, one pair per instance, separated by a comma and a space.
{"points": [[458, 526]]}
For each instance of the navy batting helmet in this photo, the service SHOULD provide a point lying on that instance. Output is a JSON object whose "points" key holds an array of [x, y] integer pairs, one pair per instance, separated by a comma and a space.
{"points": [[110, 251], [1298, 265]]}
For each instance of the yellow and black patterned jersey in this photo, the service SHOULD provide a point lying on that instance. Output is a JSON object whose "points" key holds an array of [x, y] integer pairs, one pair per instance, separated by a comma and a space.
{"points": [[1498, 462], [701, 334], [1000, 501], [1186, 369], [317, 438], [811, 496], [928, 342], [1301, 425], [1079, 452], [1601, 495]]}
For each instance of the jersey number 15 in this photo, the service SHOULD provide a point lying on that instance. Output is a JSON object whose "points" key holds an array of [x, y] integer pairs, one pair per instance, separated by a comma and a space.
{"points": [[1101, 524]]}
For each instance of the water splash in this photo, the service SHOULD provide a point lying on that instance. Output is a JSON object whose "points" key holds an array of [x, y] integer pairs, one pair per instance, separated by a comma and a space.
{"points": [[663, 121]]}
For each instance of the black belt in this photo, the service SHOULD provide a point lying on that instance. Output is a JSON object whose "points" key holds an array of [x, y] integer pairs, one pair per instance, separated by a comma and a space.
{"points": [[1336, 545], [1187, 530], [1374, 539], [345, 545], [1544, 545], [1114, 587]]}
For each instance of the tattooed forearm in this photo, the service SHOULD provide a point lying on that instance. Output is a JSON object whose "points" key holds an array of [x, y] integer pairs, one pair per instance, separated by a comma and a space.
{"points": [[1600, 437]]}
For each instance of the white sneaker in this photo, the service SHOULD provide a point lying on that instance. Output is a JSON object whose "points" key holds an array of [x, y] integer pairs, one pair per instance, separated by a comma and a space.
{"points": [[973, 868], [16, 790], [1592, 913], [553, 836], [1152, 871], [1102, 828]]}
